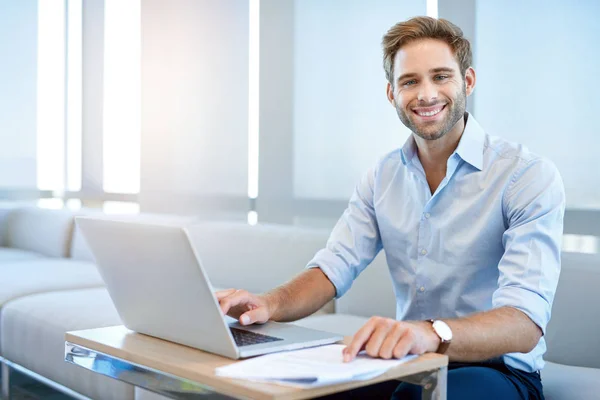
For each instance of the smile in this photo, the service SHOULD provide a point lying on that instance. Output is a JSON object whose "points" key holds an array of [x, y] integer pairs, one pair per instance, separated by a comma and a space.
{"points": [[429, 112]]}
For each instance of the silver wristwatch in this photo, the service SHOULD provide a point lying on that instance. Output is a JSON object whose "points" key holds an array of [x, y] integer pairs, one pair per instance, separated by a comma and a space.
{"points": [[444, 332]]}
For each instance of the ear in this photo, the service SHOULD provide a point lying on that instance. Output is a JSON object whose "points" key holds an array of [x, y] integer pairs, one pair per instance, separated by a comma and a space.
{"points": [[390, 94], [470, 80]]}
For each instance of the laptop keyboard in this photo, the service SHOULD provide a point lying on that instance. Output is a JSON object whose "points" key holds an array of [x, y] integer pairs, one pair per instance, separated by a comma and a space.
{"points": [[246, 338]]}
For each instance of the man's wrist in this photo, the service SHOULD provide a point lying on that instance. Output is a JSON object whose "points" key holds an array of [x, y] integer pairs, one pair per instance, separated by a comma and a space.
{"points": [[432, 340], [272, 301]]}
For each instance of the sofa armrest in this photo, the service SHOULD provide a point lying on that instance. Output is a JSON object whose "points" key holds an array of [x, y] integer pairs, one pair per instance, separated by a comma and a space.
{"points": [[571, 333], [563, 382], [5, 210], [43, 231]]}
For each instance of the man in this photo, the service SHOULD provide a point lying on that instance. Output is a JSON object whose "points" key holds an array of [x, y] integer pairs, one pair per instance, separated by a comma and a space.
{"points": [[471, 226]]}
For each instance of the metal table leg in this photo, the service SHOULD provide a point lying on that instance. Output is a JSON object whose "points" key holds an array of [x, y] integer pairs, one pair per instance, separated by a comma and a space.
{"points": [[5, 381]]}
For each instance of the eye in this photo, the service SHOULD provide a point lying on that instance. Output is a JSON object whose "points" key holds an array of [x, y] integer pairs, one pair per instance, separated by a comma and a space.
{"points": [[441, 77], [409, 83]]}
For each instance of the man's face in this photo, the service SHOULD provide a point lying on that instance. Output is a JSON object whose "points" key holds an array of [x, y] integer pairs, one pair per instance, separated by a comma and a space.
{"points": [[429, 91]]}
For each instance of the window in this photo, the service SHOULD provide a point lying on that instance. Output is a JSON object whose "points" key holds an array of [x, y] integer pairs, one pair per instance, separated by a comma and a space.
{"points": [[122, 96], [59, 85]]}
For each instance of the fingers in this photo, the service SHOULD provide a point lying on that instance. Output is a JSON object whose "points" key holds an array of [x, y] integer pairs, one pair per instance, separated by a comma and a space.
{"points": [[258, 315], [405, 344], [388, 345], [235, 298], [245, 306], [384, 338], [224, 293], [359, 340], [382, 329]]}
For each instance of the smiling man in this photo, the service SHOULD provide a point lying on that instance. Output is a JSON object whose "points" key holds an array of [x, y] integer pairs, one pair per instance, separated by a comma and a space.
{"points": [[471, 226]]}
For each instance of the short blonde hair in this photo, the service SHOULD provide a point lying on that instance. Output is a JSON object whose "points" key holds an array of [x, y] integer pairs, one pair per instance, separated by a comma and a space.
{"points": [[425, 28]]}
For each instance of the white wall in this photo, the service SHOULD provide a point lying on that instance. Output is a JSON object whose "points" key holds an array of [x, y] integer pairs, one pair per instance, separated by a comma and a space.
{"points": [[537, 68], [18, 93], [194, 98], [342, 120]]}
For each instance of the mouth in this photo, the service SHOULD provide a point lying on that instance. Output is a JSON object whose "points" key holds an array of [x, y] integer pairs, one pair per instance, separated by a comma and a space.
{"points": [[429, 113]]}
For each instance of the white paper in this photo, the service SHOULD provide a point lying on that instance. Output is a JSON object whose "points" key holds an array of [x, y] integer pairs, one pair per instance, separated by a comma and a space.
{"points": [[312, 367]]}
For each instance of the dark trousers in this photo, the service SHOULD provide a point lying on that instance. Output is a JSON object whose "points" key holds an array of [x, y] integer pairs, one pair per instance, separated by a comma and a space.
{"points": [[489, 380]]}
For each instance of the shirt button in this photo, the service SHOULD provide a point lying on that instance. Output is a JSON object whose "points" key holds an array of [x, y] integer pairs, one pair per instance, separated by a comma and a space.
{"points": [[422, 288], [427, 215], [423, 252]]}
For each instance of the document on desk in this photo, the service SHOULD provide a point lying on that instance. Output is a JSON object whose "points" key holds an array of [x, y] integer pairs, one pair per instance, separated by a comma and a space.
{"points": [[307, 368]]}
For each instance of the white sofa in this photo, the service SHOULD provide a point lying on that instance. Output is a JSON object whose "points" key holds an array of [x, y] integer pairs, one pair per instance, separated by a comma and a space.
{"points": [[49, 285]]}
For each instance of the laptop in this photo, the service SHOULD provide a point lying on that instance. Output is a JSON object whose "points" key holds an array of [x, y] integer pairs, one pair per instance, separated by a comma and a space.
{"points": [[157, 283]]}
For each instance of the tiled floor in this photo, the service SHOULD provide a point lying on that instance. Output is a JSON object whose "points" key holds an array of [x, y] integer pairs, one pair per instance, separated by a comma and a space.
{"points": [[26, 388]]}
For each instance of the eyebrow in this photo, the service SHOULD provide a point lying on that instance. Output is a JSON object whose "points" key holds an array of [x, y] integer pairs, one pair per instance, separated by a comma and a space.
{"points": [[431, 71], [441, 69]]}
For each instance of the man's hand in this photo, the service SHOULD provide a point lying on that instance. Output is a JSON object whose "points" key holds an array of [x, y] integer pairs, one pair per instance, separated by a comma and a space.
{"points": [[248, 308], [387, 338]]}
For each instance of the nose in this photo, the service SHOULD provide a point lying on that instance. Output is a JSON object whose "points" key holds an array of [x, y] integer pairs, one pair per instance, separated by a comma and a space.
{"points": [[427, 92]]}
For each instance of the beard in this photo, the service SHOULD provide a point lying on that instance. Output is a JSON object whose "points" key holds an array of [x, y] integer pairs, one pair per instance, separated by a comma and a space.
{"points": [[435, 130]]}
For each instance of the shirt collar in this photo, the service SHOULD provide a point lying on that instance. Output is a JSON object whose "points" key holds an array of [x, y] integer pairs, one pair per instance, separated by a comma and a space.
{"points": [[409, 150], [470, 147]]}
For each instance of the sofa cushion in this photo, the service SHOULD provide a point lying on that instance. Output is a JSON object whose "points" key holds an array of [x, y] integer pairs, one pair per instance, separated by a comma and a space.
{"points": [[8, 254], [571, 333], [256, 258], [33, 335], [44, 231], [45, 275], [274, 253], [565, 382]]}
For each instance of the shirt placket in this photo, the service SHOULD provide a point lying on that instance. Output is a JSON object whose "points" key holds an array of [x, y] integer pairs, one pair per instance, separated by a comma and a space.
{"points": [[424, 239]]}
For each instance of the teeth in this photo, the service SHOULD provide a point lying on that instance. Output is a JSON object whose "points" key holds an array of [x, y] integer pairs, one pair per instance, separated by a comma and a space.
{"points": [[430, 113]]}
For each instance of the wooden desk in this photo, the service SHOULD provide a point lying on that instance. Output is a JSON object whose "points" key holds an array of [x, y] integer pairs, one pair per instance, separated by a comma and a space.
{"points": [[179, 371]]}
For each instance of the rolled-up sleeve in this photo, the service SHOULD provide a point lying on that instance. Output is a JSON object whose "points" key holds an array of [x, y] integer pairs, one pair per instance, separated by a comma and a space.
{"points": [[534, 205], [354, 241]]}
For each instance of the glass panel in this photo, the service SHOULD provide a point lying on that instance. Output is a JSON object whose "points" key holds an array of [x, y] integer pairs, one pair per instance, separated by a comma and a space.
{"points": [[342, 120], [534, 87], [51, 95], [253, 101], [122, 96], [74, 94], [18, 96]]}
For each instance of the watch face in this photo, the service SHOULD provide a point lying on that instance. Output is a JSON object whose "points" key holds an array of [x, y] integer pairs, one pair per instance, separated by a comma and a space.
{"points": [[443, 330]]}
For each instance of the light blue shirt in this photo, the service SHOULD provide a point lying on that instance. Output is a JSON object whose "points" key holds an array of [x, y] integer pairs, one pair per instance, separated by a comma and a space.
{"points": [[489, 236]]}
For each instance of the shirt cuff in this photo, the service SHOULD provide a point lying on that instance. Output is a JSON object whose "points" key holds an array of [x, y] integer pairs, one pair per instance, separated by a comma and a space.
{"points": [[525, 300], [335, 270]]}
